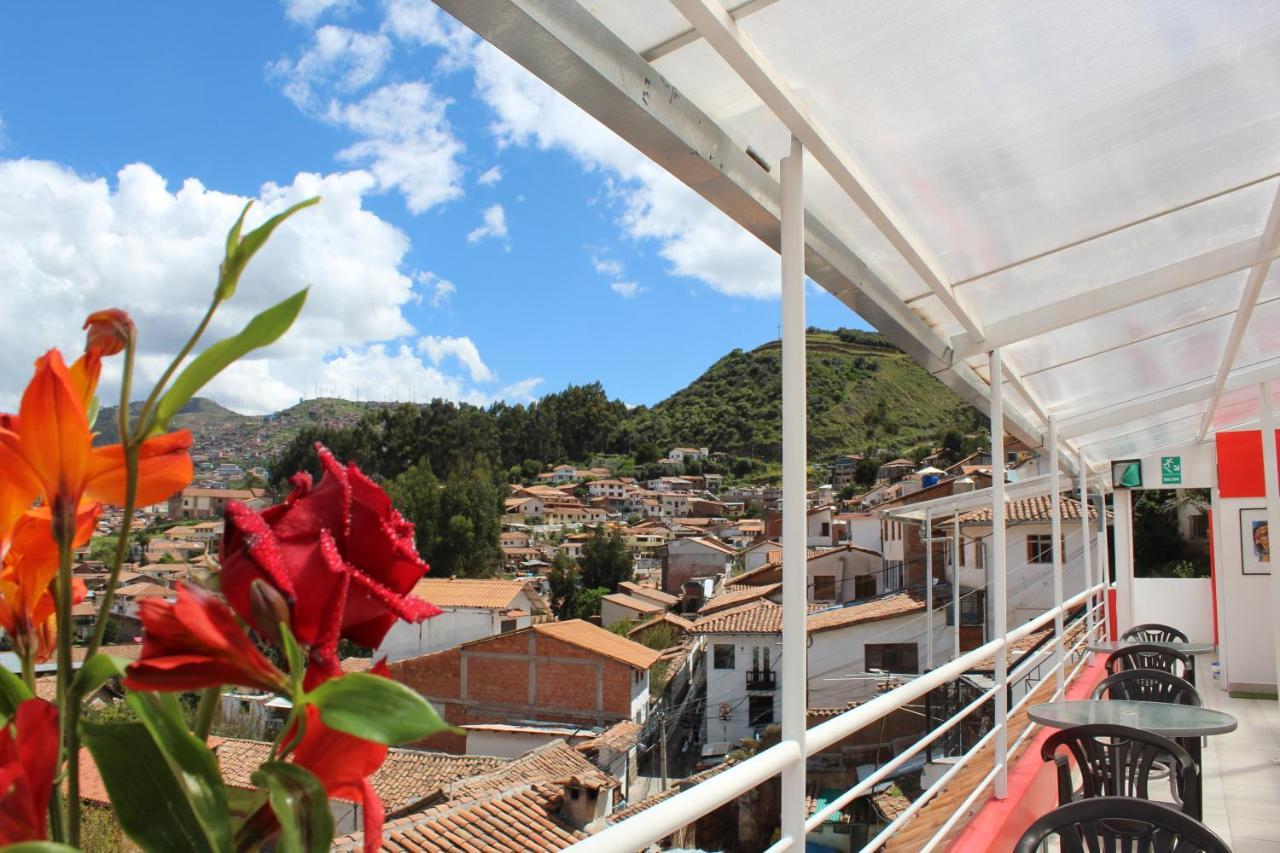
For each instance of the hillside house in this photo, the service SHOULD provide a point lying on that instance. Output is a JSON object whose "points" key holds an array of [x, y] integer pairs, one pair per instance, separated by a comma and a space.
{"points": [[688, 454], [514, 539], [473, 609], [194, 502], [833, 575], [743, 650], [564, 474], [649, 593], [621, 607], [607, 489], [901, 543], [563, 672], [895, 470], [844, 470], [694, 558], [674, 504], [821, 529]]}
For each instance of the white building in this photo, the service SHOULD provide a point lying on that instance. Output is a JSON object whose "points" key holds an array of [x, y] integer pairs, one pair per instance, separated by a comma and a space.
{"points": [[686, 454], [744, 647], [621, 607], [473, 609]]}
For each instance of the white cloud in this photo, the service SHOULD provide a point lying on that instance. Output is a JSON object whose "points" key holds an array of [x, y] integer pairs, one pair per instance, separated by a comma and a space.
{"points": [[439, 349], [309, 11], [70, 245], [495, 225], [490, 176], [408, 143], [345, 59], [695, 237], [421, 22], [625, 289], [439, 291], [522, 391], [607, 266]]}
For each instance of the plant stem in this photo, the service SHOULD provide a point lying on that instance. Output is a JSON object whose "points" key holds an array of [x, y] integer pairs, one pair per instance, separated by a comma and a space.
{"points": [[205, 710], [28, 670], [144, 417], [70, 742]]}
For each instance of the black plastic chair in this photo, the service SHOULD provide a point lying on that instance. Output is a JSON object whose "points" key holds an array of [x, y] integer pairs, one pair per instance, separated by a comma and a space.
{"points": [[1149, 656], [1119, 761], [1121, 825], [1154, 632], [1148, 685]]}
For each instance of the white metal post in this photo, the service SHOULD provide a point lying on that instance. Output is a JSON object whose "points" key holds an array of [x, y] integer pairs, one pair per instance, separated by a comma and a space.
{"points": [[1000, 612], [928, 588], [795, 680], [1269, 471], [955, 585], [1055, 530], [1085, 544], [1104, 560], [1122, 509]]}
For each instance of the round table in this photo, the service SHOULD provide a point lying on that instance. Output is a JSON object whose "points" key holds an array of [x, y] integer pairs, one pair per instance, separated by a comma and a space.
{"points": [[1181, 721], [1187, 723], [1109, 646]]}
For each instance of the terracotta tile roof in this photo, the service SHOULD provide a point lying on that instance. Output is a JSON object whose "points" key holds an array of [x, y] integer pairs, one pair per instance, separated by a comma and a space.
{"points": [[1037, 508], [649, 592], [584, 635], [548, 763], [405, 777], [356, 664], [525, 818], [143, 590], [127, 651], [738, 596], [85, 608], [619, 737], [639, 605], [890, 805], [713, 544], [677, 622], [765, 617], [47, 688], [468, 592]]}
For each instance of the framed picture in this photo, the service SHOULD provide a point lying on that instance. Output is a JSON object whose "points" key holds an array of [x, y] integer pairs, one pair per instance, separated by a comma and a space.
{"points": [[1255, 542]]}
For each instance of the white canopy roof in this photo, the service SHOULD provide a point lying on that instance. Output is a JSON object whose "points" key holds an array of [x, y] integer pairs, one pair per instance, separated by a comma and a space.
{"points": [[1091, 186]]}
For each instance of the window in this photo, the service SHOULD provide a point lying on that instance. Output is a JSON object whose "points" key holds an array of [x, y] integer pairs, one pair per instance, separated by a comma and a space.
{"points": [[760, 658], [1039, 548], [722, 656], [864, 586], [891, 657], [826, 529], [973, 608], [824, 587], [508, 625], [760, 710]]}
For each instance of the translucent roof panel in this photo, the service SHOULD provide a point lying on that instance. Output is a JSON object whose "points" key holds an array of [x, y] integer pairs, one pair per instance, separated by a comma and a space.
{"points": [[1093, 181]]}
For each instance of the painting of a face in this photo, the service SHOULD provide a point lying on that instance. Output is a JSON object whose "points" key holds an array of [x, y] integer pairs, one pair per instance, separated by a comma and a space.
{"points": [[1255, 542], [1261, 542]]}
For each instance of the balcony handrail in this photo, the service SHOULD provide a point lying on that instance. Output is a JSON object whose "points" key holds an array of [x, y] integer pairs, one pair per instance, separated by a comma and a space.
{"points": [[668, 816]]}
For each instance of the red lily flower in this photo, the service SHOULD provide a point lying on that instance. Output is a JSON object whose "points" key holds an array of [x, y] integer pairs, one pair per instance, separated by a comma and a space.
{"points": [[343, 763], [342, 558], [195, 643], [28, 764]]}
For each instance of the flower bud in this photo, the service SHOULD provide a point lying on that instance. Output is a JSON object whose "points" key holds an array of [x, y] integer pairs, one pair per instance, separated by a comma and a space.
{"points": [[269, 611], [109, 331]]}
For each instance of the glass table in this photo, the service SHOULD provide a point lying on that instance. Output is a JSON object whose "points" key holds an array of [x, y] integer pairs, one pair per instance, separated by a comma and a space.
{"points": [[1185, 723], [1109, 646]]}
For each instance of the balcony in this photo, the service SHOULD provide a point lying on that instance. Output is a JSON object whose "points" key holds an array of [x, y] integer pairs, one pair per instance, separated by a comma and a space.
{"points": [[761, 679]]}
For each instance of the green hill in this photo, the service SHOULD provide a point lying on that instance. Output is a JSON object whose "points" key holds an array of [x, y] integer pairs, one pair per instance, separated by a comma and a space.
{"points": [[863, 393]]}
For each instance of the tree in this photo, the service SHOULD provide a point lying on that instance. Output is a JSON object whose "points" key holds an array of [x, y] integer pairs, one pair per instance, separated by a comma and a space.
{"points": [[103, 548], [588, 603], [563, 582], [646, 453], [605, 561]]}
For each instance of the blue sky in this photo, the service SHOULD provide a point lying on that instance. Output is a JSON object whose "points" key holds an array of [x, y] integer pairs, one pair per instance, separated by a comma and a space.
{"points": [[483, 238]]}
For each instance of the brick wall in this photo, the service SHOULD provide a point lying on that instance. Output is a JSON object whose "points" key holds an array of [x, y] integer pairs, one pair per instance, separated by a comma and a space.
{"points": [[489, 681]]}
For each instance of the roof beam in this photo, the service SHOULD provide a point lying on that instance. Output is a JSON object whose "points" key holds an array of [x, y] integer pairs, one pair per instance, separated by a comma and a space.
{"points": [[1113, 297], [1142, 407], [1248, 299], [691, 35], [568, 48], [736, 48]]}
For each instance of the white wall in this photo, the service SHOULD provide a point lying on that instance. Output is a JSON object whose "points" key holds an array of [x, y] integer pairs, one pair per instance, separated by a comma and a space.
{"points": [[1182, 603], [509, 744], [836, 654], [864, 531], [1245, 628], [451, 628]]}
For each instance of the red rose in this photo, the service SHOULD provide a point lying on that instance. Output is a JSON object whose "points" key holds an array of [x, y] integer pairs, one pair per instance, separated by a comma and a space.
{"points": [[339, 554], [196, 643], [28, 764]]}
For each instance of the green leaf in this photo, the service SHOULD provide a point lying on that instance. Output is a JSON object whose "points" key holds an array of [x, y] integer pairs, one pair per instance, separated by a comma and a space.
{"points": [[148, 797], [37, 847], [261, 331], [92, 415], [301, 806], [13, 692], [95, 672], [189, 760], [233, 236], [238, 257], [375, 708], [243, 802]]}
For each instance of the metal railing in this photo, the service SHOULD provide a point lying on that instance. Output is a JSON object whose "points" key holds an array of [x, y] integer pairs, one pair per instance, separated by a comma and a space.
{"points": [[761, 679], [667, 817]]}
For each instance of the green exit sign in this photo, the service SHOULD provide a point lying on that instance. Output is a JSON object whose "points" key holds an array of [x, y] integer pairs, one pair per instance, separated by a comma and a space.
{"points": [[1171, 470]]}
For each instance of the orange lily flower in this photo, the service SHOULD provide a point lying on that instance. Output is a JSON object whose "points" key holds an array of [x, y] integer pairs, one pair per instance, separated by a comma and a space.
{"points": [[26, 604], [52, 456]]}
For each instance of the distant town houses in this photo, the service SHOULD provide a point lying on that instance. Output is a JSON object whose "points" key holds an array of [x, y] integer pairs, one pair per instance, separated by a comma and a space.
{"points": [[201, 503]]}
